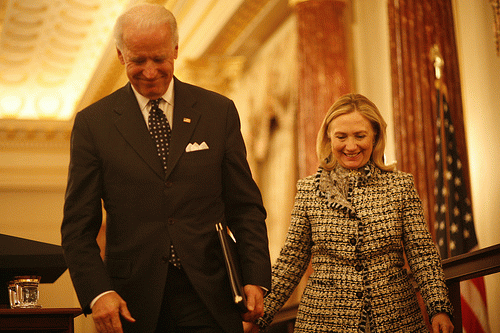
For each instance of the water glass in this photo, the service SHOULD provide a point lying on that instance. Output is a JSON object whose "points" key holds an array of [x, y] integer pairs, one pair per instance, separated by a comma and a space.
{"points": [[27, 291], [14, 301]]}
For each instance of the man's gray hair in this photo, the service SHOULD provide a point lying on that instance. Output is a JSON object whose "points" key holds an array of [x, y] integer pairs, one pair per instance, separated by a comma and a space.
{"points": [[145, 16]]}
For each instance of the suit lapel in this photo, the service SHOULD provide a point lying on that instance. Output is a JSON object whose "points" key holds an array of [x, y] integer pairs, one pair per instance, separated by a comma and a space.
{"points": [[130, 123], [185, 120]]}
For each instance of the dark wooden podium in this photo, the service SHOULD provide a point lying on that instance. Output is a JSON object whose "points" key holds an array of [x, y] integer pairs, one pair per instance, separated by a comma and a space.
{"points": [[42, 320]]}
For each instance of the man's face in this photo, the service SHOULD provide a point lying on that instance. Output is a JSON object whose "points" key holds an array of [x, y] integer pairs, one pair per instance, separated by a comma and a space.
{"points": [[148, 56]]}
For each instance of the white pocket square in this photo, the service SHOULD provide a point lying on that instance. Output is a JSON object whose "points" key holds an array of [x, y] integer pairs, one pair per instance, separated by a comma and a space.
{"points": [[195, 146]]}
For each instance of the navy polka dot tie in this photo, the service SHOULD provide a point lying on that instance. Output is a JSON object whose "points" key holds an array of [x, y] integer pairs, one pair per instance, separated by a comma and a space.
{"points": [[159, 129]]}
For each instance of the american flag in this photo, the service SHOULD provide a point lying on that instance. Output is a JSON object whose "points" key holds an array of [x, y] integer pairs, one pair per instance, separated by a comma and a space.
{"points": [[454, 226]]}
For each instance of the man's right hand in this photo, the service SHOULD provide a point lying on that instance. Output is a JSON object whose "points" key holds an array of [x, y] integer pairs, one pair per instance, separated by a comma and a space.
{"points": [[106, 313]]}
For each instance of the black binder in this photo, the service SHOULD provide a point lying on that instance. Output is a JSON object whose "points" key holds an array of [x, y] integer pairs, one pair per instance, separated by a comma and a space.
{"points": [[232, 265]]}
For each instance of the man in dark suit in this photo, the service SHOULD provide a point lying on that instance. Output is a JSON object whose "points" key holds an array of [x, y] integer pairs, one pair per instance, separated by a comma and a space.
{"points": [[155, 209]]}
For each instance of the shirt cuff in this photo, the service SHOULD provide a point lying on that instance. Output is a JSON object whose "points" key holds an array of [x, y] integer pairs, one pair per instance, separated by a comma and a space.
{"points": [[99, 296]]}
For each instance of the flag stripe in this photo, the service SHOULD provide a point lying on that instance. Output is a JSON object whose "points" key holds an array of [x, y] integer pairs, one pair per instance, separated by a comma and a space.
{"points": [[472, 324], [472, 295]]}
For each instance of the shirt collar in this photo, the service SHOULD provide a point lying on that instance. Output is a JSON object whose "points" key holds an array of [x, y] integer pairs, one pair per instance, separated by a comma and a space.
{"points": [[168, 96]]}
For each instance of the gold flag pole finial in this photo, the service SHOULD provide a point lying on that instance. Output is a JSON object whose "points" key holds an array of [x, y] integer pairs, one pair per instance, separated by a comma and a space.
{"points": [[438, 61]]}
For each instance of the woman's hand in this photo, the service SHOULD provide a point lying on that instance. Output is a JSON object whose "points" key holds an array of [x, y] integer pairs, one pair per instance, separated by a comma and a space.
{"points": [[249, 327], [441, 323]]}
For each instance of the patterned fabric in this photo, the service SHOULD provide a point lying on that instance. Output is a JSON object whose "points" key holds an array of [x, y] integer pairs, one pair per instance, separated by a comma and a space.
{"points": [[159, 130], [356, 227]]}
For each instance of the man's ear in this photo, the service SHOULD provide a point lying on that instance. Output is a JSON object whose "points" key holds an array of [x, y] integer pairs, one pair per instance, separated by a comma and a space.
{"points": [[120, 56], [176, 51]]}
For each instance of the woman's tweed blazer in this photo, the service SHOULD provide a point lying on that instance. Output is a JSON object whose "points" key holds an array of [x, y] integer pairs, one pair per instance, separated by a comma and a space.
{"points": [[357, 248]]}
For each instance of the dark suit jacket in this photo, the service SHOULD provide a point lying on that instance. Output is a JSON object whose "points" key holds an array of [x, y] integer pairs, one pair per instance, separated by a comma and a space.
{"points": [[114, 161]]}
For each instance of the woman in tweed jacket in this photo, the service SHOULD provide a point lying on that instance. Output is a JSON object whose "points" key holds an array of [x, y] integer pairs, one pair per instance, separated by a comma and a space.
{"points": [[355, 219]]}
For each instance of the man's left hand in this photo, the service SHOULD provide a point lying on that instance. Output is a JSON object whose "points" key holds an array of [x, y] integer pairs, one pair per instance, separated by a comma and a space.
{"points": [[255, 303]]}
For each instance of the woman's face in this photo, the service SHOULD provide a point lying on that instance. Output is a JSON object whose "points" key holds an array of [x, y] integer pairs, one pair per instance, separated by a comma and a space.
{"points": [[353, 139]]}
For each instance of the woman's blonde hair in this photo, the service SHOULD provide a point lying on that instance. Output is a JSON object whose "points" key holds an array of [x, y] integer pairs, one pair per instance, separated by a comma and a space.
{"points": [[344, 105]]}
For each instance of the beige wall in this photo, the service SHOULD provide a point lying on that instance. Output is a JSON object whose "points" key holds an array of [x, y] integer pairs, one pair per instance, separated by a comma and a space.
{"points": [[371, 54], [32, 184]]}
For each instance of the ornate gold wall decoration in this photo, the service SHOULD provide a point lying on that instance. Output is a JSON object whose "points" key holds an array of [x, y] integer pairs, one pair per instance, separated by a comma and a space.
{"points": [[34, 135], [214, 73]]}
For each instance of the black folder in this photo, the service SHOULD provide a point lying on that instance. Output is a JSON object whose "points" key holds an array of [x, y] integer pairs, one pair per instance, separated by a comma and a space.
{"points": [[232, 265]]}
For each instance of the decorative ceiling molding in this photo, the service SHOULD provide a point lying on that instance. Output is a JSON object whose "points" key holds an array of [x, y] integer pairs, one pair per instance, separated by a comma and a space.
{"points": [[48, 51], [57, 57]]}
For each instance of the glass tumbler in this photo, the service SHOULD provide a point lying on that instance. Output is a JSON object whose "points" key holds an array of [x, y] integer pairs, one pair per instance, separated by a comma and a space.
{"points": [[27, 291], [14, 301]]}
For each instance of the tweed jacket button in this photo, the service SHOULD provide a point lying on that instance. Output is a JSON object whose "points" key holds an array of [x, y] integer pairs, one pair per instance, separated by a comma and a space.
{"points": [[168, 184], [359, 267], [352, 241], [171, 221], [359, 294]]}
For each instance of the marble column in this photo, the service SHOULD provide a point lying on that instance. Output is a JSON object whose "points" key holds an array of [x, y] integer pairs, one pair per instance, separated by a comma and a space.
{"points": [[324, 69]]}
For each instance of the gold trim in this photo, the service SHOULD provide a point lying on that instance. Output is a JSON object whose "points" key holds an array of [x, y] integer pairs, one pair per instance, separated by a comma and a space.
{"points": [[15, 47], [215, 73], [84, 6], [14, 79], [74, 20], [28, 37], [30, 9]]}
